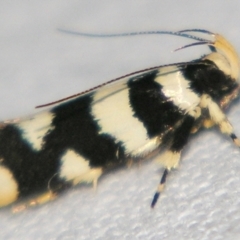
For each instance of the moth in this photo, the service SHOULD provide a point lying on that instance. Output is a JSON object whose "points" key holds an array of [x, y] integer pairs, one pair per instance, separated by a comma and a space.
{"points": [[134, 117]]}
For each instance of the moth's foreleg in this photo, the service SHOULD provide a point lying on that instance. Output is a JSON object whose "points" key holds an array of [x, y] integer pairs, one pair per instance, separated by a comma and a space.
{"points": [[219, 118]]}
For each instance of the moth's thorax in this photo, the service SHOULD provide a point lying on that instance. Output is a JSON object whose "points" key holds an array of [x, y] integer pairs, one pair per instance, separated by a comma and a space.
{"points": [[221, 62]]}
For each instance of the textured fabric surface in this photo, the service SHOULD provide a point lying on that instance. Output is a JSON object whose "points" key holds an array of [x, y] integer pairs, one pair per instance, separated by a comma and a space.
{"points": [[39, 65]]}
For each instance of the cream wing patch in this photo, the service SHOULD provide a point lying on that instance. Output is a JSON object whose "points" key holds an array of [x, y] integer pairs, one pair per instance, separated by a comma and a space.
{"points": [[76, 168], [177, 89], [35, 128], [115, 117], [8, 187]]}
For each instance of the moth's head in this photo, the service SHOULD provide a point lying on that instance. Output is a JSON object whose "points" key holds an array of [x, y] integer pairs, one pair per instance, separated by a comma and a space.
{"points": [[225, 57], [223, 53]]}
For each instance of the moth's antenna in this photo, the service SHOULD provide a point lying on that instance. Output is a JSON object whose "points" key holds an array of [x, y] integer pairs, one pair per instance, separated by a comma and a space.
{"points": [[211, 44], [197, 30], [179, 33], [195, 44], [200, 41]]}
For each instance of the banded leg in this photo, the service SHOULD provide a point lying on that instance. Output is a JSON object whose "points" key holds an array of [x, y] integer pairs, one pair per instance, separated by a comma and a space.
{"points": [[171, 157], [160, 188]]}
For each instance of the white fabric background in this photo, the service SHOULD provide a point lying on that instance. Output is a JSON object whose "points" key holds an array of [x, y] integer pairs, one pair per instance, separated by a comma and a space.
{"points": [[39, 65]]}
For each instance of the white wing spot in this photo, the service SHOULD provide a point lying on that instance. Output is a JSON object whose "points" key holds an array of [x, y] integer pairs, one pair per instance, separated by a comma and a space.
{"points": [[76, 168], [115, 117], [35, 129], [177, 89]]}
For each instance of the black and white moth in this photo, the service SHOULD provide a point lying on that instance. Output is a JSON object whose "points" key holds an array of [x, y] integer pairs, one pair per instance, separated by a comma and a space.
{"points": [[130, 118]]}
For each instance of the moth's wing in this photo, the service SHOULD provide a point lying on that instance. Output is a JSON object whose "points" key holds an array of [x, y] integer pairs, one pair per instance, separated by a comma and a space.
{"points": [[134, 109]]}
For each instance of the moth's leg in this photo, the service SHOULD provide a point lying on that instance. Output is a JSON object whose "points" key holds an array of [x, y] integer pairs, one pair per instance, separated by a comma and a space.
{"points": [[54, 187], [41, 199], [171, 157], [219, 118], [169, 160], [160, 187]]}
